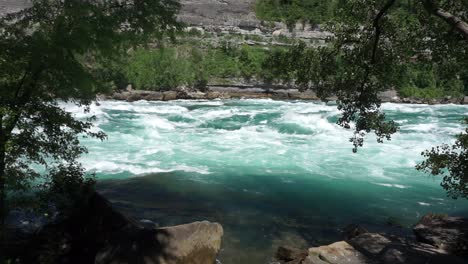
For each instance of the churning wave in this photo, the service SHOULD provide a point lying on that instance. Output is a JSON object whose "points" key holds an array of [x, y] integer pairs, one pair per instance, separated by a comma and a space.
{"points": [[207, 137]]}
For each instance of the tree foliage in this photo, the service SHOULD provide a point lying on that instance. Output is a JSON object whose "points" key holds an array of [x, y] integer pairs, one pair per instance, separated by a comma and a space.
{"points": [[51, 54], [416, 46], [173, 66], [450, 162]]}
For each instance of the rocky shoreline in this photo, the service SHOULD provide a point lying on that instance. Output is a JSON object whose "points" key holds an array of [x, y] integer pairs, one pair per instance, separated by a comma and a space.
{"points": [[98, 233], [256, 92], [438, 239]]}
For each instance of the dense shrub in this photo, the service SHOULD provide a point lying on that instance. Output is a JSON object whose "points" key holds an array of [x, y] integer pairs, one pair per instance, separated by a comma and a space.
{"points": [[186, 65]]}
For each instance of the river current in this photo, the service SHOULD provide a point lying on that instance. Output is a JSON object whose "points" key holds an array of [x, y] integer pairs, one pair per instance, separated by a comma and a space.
{"points": [[272, 172]]}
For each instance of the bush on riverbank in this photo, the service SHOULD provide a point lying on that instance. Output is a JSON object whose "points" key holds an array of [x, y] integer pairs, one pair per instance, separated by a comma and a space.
{"points": [[170, 67], [424, 81]]}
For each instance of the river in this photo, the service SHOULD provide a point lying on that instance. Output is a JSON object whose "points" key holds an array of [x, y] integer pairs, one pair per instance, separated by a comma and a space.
{"points": [[272, 172]]}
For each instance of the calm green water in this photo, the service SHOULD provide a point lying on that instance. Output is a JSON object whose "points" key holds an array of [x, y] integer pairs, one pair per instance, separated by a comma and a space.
{"points": [[272, 172]]}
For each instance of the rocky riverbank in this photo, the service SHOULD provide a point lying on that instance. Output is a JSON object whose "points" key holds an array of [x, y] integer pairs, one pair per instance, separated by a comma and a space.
{"points": [[99, 234], [255, 92], [438, 239]]}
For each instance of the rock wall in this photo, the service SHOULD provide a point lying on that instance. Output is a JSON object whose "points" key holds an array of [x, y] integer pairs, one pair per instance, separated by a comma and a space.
{"points": [[9, 6], [225, 16]]}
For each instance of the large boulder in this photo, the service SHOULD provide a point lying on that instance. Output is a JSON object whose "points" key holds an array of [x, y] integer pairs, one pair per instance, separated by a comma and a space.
{"points": [[195, 243], [447, 233]]}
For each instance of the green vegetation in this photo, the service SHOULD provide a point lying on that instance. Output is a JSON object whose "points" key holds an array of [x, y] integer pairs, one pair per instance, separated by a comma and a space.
{"points": [[450, 162], [58, 51], [178, 65], [291, 11]]}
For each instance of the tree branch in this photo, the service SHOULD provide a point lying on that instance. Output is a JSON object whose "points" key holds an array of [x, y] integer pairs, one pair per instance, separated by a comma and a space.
{"points": [[460, 25], [378, 29], [378, 33]]}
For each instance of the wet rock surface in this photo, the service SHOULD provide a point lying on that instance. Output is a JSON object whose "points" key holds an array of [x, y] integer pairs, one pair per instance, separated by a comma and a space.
{"points": [[438, 240], [447, 233]]}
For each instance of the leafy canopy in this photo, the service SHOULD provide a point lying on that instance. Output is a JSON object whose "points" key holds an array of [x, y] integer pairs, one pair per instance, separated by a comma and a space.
{"points": [[52, 52]]}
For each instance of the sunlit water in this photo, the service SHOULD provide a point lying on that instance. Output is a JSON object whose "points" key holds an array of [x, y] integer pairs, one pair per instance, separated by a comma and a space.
{"points": [[272, 172]]}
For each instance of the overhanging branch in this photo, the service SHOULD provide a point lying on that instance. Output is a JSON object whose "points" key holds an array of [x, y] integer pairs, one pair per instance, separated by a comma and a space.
{"points": [[456, 22]]}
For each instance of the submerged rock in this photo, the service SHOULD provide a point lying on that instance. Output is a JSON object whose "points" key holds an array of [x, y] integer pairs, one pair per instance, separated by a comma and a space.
{"points": [[353, 230]]}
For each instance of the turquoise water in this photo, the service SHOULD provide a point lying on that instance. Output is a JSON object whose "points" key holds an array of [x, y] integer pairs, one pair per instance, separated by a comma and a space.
{"points": [[272, 172]]}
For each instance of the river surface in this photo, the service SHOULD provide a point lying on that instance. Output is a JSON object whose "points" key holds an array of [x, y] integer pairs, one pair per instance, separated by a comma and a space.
{"points": [[272, 172]]}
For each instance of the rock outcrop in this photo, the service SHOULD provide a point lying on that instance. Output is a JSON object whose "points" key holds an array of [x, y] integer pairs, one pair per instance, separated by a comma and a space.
{"points": [[96, 233], [438, 240], [447, 233], [213, 92], [219, 17]]}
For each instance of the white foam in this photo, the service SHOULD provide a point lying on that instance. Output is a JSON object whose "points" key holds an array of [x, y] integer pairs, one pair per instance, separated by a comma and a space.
{"points": [[154, 121], [399, 186]]}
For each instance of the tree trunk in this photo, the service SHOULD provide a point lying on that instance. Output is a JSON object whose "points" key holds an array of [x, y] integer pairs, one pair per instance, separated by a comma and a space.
{"points": [[458, 24], [2, 183], [2, 172], [3, 210]]}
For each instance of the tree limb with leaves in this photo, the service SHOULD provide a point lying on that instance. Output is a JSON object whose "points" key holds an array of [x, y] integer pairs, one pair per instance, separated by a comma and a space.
{"points": [[374, 43], [46, 59]]}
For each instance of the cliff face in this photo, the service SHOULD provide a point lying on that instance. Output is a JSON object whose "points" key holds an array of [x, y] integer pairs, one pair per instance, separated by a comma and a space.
{"points": [[237, 13], [225, 16], [9, 6], [195, 12]]}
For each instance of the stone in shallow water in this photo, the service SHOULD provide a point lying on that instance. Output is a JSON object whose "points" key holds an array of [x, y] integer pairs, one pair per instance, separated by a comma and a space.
{"points": [[336, 253]]}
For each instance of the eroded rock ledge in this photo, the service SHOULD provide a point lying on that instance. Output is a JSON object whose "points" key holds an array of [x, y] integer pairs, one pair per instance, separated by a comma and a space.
{"points": [[254, 92], [439, 239]]}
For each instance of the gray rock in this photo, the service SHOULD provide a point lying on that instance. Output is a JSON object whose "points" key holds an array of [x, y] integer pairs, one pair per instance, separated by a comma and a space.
{"points": [[389, 96], [336, 253], [195, 243], [371, 244], [291, 255], [169, 95], [465, 100], [447, 233]]}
